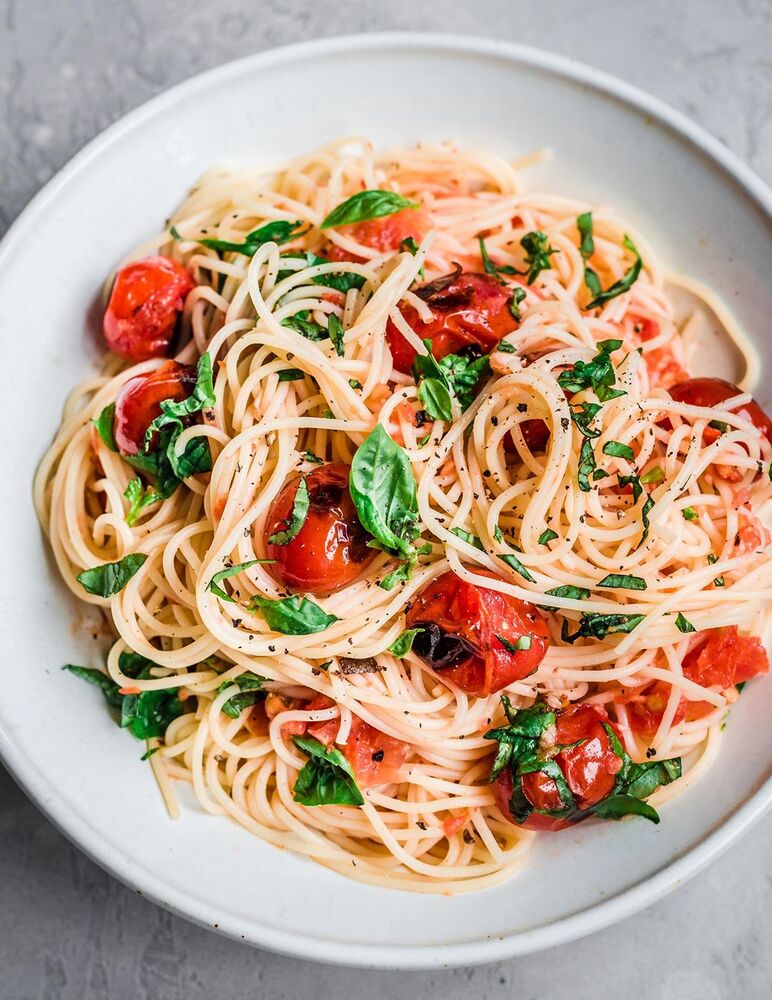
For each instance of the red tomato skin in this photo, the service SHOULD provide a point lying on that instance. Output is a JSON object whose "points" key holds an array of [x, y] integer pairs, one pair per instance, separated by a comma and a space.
{"points": [[725, 659], [146, 299], [477, 616], [711, 392], [645, 710], [139, 402], [384, 234], [330, 550], [473, 311], [590, 769], [363, 742]]}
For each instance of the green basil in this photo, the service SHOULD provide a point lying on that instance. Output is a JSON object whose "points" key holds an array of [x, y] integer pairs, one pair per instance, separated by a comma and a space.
{"points": [[618, 450], [383, 488], [583, 415], [302, 323], [277, 231], [494, 270], [518, 295], [617, 806], [341, 281], [598, 626], [623, 581], [468, 537], [111, 578], [505, 346], [99, 678], [297, 516], [719, 581], [537, 254], [355, 383], [655, 475], [624, 284], [597, 374], [104, 424], [586, 465], [404, 642], [291, 375], [514, 563], [408, 245], [139, 498], [683, 625], [309, 456], [523, 643], [463, 375], [292, 615], [224, 574], [365, 205], [568, 590], [249, 693], [435, 399], [336, 332], [547, 536], [689, 513], [327, 778]]}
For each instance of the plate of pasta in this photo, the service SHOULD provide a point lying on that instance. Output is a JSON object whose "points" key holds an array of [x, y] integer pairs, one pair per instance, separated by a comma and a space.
{"points": [[401, 501]]}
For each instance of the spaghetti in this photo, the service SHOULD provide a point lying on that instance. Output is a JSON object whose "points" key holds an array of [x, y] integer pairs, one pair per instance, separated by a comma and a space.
{"points": [[548, 465]]}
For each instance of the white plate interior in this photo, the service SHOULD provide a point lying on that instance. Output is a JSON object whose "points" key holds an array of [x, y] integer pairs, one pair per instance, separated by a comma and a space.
{"points": [[704, 217]]}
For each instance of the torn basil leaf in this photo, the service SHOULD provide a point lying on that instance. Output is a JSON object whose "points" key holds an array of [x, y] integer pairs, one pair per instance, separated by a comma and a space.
{"points": [[336, 332], [104, 424], [297, 516], [292, 615], [568, 590], [364, 205], [277, 231], [111, 578], [327, 778], [597, 626], [623, 581], [625, 283], [229, 571], [597, 374], [404, 642], [249, 693], [139, 497], [547, 536], [618, 450], [683, 625]]}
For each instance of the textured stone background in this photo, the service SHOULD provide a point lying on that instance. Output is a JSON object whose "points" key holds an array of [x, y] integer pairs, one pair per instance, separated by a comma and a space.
{"points": [[70, 67]]}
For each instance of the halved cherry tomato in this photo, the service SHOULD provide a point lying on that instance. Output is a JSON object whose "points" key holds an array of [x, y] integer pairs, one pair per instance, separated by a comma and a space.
{"points": [[590, 769], [146, 299], [468, 310], [374, 756], [463, 626], [139, 402], [383, 234], [712, 391], [330, 550], [645, 708]]}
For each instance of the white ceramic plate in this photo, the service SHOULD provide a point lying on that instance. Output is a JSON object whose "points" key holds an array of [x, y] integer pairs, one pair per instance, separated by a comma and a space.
{"points": [[707, 214]]}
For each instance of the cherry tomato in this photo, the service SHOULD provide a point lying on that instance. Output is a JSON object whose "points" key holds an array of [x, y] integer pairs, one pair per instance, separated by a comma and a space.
{"points": [[726, 658], [463, 626], [589, 769], [468, 310], [330, 550], [646, 708], [139, 402], [384, 234], [374, 756], [711, 392], [146, 299]]}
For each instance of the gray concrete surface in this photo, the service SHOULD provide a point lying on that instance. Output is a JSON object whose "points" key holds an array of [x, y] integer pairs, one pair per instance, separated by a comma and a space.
{"points": [[70, 67]]}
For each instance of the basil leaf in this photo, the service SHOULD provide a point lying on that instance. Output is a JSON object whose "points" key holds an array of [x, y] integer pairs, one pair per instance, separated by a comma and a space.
{"points": [[537, 254], [494, 270], [568, 590], [355, 383], [398, 575], [463, 375], [597, 374], [618, 450], [435, 399], [336, 332], [625, 283], [277, 231], [383, 489], [111, 578], [104, 424], [586, 465], [102, 680], [523, 643], [467, 536], [297, 516], [148, 713], [139, 498], [404, 642], [292, 615], [341, 281], [719, 581], [291, 375], [583, 416], [547, 536], [642, 779], [366, 205], [505, 346], [327, 778], [309, 456], [224, 574], [250, 693], [597, 626], [617, 806], [683, 625], [514, 563], [408, 245], [587, 249], [655, 475], [599, 474], [301, 323], [689, 513], [623, 581], [514, 307]]}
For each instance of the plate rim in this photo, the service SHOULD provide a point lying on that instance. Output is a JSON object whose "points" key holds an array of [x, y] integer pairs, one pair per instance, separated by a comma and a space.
{"points": [[66, 817]]}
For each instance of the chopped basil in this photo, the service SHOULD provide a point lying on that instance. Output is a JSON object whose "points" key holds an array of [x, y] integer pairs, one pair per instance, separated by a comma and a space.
{"points": [[435, 399], [455, 375], [302, 323], [309, 456], [494, 270], [341, 281], [617, 806], [249, 693], [599, 474], [635, 482], [618, 450], [514, 563], [408, 245], [719, 581], [424, 440], [655, 475], [139, 497], [278, 231], [523, 643], [111, 578], [583, 415], [383, 489], [468, 537], [327, 778], [366, 205], [404, 642], [537, 254], [463, 375], [291, 375], [518, 295], [336, 332], [292, 615], [598, 626], [689, 513], [102, 680], [355, 383], [547, 536], [104, 425], [683, 625], [568, 590], [224, 574], [506, 348], [719, 425], [587, 247], [623, 581], [586, 465], [597, 374], [297, 516]]}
